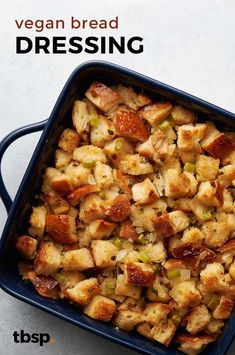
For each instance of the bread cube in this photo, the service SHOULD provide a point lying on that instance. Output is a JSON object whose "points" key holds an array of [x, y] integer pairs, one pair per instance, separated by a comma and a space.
{"points": [[227, 175], [131, 304], [185, 293], [155, 312], [125, 182], [78, 260], [193, 344], [219, 146], [145, 330], [146, 148], [100, 308], [104, 175], [102, 132], [224, 308], [232, 269], [125, 289], [164, 331], [199, 209], [84, 291], [69, 140], [212, 278], [170, 224], [198, 319], [158, 292], [189, 137], [37, 221], [46, 286], [62, 158], [27, 246], [75, 196], [100, 228], [80, 116], [156, 252], [61, 228], [104, 253], [176, 184], [134, 164], [48, 176], [192, 235], [227, 204], [129, 125], [210, 194], [119, 209], [62, 184], [131, 99], [117, 148], [91, 208], [103, 97], [156, 112], [57, 203], [214, 326], [207, 168], [160, 144], [127, 231], [127, 320], [215, 233], [182, 115], [91, 152], [144, 192], [47, 260], [138, 274], [78, 174]]}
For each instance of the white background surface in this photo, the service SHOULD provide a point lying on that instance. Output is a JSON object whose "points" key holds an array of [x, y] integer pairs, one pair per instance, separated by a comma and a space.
{"points": [[188, 44]]}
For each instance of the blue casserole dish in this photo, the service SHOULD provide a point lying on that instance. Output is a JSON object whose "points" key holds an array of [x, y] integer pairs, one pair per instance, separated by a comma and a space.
{"points": [[19, 210]]}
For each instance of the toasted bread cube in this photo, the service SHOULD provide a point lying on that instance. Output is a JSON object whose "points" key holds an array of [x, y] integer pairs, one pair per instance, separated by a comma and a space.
{"points": [[176, 184], [131, 99], [62, 158], [144, 192], [103, 97], [193, 344], [78, 174], [158, 292], [212, 278], [37, 221], [78, 260], [227, 201], [47, 260], [129, 125], [227, 175], [125, 289], [91, 152], [220, 146], [214, 326], [156, 252], [48, 177], [206, 168], [170, 224], [91, 208], [157, 112], [127, 231], [80, 116], [138, 274], [154, 312], [102, 132], [104, 253], [164, 331], [182, 115], [69, 140], [104, 175], [215, 233], [198, 319], [27, 246], [73, 277], [127, 320], [190, 136], [145, 330], [100, 308], [224, 308], [160, 144], [75, 197], [46, 286], [61, 228], [62, 184], [57, 203], [146, 148], [134, 164], [210, 194], [100, 228], [125, 182], [117, 148], [199, 209], [84, 291], [185, 293], [232, 269], [144, 216], [119, 209], [192, 235]]}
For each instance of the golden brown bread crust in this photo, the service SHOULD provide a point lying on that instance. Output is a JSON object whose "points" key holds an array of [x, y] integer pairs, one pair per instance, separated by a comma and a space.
{"points": [[119, 209], [139, 275], [127, 231], [57, 203], [61, 228], [103, 97], [220, 146], [27, 246], [80, 192], [163, 227], [46, 286], [130, 125]]}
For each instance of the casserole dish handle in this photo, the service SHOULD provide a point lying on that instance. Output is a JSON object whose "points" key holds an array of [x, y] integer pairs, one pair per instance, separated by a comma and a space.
{"points": [[10, 138]]}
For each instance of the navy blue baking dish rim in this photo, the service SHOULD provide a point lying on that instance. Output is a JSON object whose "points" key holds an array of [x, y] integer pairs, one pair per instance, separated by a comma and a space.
{"points": [[139, 344]]}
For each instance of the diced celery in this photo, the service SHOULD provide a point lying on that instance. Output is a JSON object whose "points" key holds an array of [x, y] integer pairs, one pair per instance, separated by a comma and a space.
{"points": [[89, 163], [143, 256], [214, 301], [94, 119], [164, 124], [173, 274], [176, 318], [142, 238], [206, 215], [117, 242], [59, 277], [118, 144], [189, 167]]}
